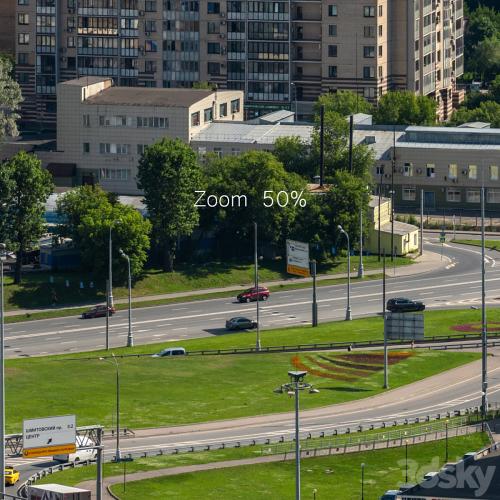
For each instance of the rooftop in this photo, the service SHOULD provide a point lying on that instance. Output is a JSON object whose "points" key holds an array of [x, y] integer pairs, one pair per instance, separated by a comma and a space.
{"points": [[140, 96], [84, 81]]}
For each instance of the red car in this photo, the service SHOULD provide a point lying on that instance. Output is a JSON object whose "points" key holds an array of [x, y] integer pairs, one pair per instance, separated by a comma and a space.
{"points": [[98, 312], [251, 294]]}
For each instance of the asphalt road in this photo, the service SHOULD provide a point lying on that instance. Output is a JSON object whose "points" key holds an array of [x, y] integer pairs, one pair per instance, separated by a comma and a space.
{"points": [[458, 285]]}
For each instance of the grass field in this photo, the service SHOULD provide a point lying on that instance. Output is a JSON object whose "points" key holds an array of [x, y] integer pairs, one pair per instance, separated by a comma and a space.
{"points": [[491, 244], [333, 477], [162, 391], [37, 292]]}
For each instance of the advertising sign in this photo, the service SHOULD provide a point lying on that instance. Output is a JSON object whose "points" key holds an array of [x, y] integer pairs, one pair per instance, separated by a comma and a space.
{"points": [[297, 258], [49, 436]]}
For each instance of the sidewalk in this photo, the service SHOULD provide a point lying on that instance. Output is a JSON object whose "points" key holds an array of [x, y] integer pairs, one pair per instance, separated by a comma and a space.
{"points": [[186, 469], [429, 261]]}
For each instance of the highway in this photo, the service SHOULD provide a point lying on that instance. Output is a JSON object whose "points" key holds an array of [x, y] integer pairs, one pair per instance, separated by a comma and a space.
{"points": [[456, 285]]}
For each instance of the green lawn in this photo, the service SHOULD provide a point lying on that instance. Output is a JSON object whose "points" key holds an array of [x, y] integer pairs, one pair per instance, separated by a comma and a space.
{"points": [[37, 292], [333, 477], [161, 391], [491, 244]]}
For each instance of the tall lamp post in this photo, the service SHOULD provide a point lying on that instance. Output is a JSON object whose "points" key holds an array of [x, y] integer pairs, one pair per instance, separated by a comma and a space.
{"points": [[446, 454], [2, 374], [292, 388], [362, 481], [361, 271], [484, 331], [256, 263], [348, 308], [130, 337], [117, 367], [391, 192], [110, 262]]}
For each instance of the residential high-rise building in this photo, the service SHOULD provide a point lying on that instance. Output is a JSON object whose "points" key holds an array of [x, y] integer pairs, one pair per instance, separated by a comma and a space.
{"points": [[7, 33], [281, 53]]}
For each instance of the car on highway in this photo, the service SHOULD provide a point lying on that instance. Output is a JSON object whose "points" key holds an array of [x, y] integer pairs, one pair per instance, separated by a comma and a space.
{"points": [[401, 304], [251, 294], [98, 312], [11, 475], [240, 323], [171, 351], [85, 451]]}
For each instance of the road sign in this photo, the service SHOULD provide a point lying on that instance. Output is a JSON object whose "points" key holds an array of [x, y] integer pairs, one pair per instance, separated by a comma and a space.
{"points": [[297, 258], [49, 436], [442, 238]]}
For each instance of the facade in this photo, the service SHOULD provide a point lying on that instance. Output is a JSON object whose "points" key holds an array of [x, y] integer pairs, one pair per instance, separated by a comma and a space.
{"points": [[280, 53], [103, 129], [406, 236], [7, 33]]}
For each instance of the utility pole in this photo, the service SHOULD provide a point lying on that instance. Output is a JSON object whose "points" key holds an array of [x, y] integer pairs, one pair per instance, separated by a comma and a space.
{"points": [[321, 145], [351, 133], [107, 315], [421, 222], [100, 460], [110, 266], [484, 333], [256, 261], [386, 356], [392, 189], [130, 337], [314, 302], [379, 213]]}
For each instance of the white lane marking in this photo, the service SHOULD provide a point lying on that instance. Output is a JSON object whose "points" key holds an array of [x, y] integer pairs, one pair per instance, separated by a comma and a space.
{"points": [[142, 331], [176, 329], [179, 308], [424, 293], [69, 342]]}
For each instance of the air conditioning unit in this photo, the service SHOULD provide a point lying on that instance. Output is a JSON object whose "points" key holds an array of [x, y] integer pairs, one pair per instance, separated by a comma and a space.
{"points": [[222, 14]]}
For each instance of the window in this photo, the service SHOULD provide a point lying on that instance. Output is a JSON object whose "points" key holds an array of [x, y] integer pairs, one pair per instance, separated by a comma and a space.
{"points": [[332, 10], [473, 196], [23, 2], [380, 170], [380, 50], [369, 11], [23, 19], [151, 46], [150, 66], [22, 58], [149, 25], [369, 31], [332, 30], [430, 170], [195, 119], [380, 72], [368, 72], [218, 152], [115, 174], [71, 22], [150, 6], [223, 110], [208, 115], [71, 41], [71, 4], [409, 193], [332, 51], [140, 149], [213, 28], [408, 170], [114, 149], [332, 71], [452, 171], [213, 7], [235, 106], [369, 92], [213, 68], [380, 30], [23, 38], [368, 51], [151, 122], [213, 47], [493, 195], [380, 11], [453, 194], [86, 147], [494, 172], [86, 120], [473, 172]]}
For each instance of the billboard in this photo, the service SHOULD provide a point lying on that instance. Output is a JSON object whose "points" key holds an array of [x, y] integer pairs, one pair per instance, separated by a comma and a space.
{"points": [[49, 436], [404, 326], [297, 258]]}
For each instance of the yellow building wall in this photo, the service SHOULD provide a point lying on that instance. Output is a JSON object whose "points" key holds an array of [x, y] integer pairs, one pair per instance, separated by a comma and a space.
{"points": [[403, 244]]}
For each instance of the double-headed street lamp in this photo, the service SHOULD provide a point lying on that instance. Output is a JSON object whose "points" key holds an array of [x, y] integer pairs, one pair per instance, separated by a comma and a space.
{"points": [[117, 367], [348, 308], [292, 388], [130, 338]]}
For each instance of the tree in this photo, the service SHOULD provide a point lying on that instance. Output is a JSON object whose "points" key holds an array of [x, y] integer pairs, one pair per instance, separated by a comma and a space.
{"points": [[343, 102], [495, 89], [295, 154], [487, 57], [405, 108], [10, 99], [169, 175], [250, 174], [24, 189], [488, 112], [130, 234]]}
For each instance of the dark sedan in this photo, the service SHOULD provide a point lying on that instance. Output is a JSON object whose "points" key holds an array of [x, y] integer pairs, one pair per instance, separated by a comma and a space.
{"points": [[98, 312], [402, 304], [240, 323]]}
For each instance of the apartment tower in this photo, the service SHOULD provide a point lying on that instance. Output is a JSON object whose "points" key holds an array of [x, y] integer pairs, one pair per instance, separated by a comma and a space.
{"points": [[282, 54]]}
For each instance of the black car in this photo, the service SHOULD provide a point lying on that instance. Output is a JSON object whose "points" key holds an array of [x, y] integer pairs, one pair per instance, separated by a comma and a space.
{"points": [[401, 304], [240, 323]]}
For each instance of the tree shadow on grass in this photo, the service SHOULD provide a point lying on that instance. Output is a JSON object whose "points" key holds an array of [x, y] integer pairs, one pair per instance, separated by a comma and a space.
{"points": [[223, 331]]}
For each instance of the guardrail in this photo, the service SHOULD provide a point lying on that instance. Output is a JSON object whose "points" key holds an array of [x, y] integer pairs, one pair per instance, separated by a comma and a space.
{"points": [[308, 347]]}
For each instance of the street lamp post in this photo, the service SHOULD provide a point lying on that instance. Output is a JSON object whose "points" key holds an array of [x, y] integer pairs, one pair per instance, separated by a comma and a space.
{"points": [[256, 262], [446, 454], [292, 388], [348, 308], [362, 481], [484, 331], [406, 461], [2, 375], [110, 262], [130, 337], [391, 192], [117, 367], [361, 270]]}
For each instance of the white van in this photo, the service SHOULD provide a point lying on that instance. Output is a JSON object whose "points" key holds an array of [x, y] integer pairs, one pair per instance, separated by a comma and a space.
{"points": [[79, 455]]}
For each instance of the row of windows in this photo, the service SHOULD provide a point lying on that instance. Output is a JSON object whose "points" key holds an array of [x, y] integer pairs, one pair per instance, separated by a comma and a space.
{"points": [[368, 11], [368, 72], [128, 121], [471, 171], [454, 195], [115, 174], [368, 51], [208, 113]]}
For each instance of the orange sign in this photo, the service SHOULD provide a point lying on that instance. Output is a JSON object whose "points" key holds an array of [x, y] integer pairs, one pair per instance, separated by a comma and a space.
{"points": [[47, 451], [291, 269]]}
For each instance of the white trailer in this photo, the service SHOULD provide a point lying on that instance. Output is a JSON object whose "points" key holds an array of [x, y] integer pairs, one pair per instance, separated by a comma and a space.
{"points": [[56, 492]]}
